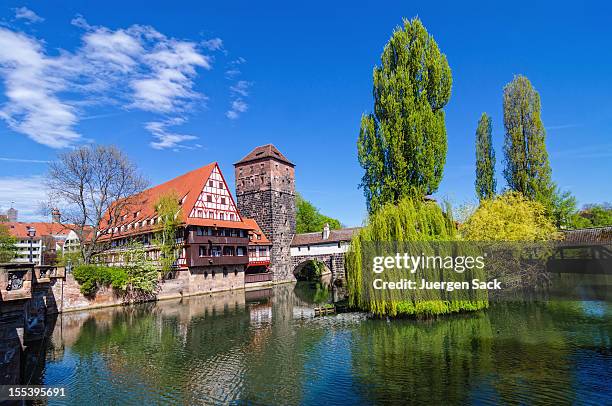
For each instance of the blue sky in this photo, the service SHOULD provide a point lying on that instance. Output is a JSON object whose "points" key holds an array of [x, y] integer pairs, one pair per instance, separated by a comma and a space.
{"points": [[180, 84]]}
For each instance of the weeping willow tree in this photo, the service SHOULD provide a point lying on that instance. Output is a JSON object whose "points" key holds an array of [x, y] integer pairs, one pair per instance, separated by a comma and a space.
{"points": [[418, 228]]}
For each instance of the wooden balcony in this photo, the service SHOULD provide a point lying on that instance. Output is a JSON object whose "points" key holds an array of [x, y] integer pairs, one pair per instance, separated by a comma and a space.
{"points": [[216, 240], [217, 261]]}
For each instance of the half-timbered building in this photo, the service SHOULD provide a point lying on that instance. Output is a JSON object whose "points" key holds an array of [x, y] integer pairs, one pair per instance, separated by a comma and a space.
{"points": [[214, 242]]}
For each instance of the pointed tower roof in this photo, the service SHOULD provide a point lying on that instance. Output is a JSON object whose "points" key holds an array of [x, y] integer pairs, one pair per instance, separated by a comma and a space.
{"points": [[268, 151]]}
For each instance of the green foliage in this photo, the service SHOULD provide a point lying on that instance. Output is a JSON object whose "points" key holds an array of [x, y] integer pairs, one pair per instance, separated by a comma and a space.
{"points": [[311, 271], [7, 244], [308, 219], [509, 217], [596, 215], [402, 144], [564, 208], [485, 159], [167, 208], [63, 258], [527, 167], [408, 221], [91, 277], [142, 272], [137, 276]]}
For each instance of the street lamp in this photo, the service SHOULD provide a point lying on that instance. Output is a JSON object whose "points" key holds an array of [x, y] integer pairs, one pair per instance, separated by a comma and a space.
{"points": [[31, 234]]}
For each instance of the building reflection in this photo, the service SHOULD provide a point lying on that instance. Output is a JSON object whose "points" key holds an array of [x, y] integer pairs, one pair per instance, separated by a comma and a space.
{"points": [[212, 348]]}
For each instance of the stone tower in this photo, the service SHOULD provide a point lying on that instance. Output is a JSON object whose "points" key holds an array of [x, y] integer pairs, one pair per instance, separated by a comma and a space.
{"points": [[265, 191]]}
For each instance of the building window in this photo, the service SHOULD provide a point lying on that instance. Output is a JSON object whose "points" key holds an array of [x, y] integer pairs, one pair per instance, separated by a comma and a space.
{"points": [[220, 185], [223, 200], [240, 251], [210, 183], [232, 217], [202, 251], [208, 198], [211, 215], [221, 216], [200, 213]]}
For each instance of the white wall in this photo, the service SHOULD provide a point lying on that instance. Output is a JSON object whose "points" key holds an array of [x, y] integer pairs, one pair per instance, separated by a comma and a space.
{"points": [[319, 249]]}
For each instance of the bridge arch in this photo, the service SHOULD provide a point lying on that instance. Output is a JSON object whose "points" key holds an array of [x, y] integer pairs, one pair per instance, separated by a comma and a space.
{"points": [[311, 269], [332, 262]]}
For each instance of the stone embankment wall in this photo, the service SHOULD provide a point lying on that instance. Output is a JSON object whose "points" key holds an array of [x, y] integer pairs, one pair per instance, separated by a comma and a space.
{"points": [[67, 296]]}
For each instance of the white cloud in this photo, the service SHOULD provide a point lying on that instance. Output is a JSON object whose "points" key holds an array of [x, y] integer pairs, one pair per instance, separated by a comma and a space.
{"points": [[28, 195], [213, 44], [135, 67], [241, 88], [169, 85], [238, 106], [32, 83], [24, 160], [24, 13], [164, 138]]}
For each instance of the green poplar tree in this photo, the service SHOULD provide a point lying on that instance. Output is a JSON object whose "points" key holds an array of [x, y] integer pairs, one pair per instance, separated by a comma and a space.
{"points": [[402, 144], [527, 167], [485, 159]]}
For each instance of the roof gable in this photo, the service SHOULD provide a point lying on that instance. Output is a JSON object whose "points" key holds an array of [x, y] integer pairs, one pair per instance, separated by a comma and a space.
{"points": [[215, 200], [268, 151]]}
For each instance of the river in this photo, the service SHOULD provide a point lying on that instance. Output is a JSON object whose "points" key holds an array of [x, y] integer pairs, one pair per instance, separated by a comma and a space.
{"points": [[265, 347]]}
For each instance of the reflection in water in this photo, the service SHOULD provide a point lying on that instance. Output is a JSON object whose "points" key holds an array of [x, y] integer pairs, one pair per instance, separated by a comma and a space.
{"points": [[263, 347]]}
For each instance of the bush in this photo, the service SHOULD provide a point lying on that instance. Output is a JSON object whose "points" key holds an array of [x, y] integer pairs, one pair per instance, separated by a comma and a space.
{"points": [[92, 277], [509, 217]]}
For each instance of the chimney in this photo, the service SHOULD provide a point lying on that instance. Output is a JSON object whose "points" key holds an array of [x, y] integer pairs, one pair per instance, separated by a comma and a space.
{"points": [[55, 215], [326, 231]]}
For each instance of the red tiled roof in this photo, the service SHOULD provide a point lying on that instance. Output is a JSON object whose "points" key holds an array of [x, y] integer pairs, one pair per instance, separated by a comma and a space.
{"points": [[187, 188], [589, 235], [343, 234], [263, 152], [254, 227], [20, 229]]}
